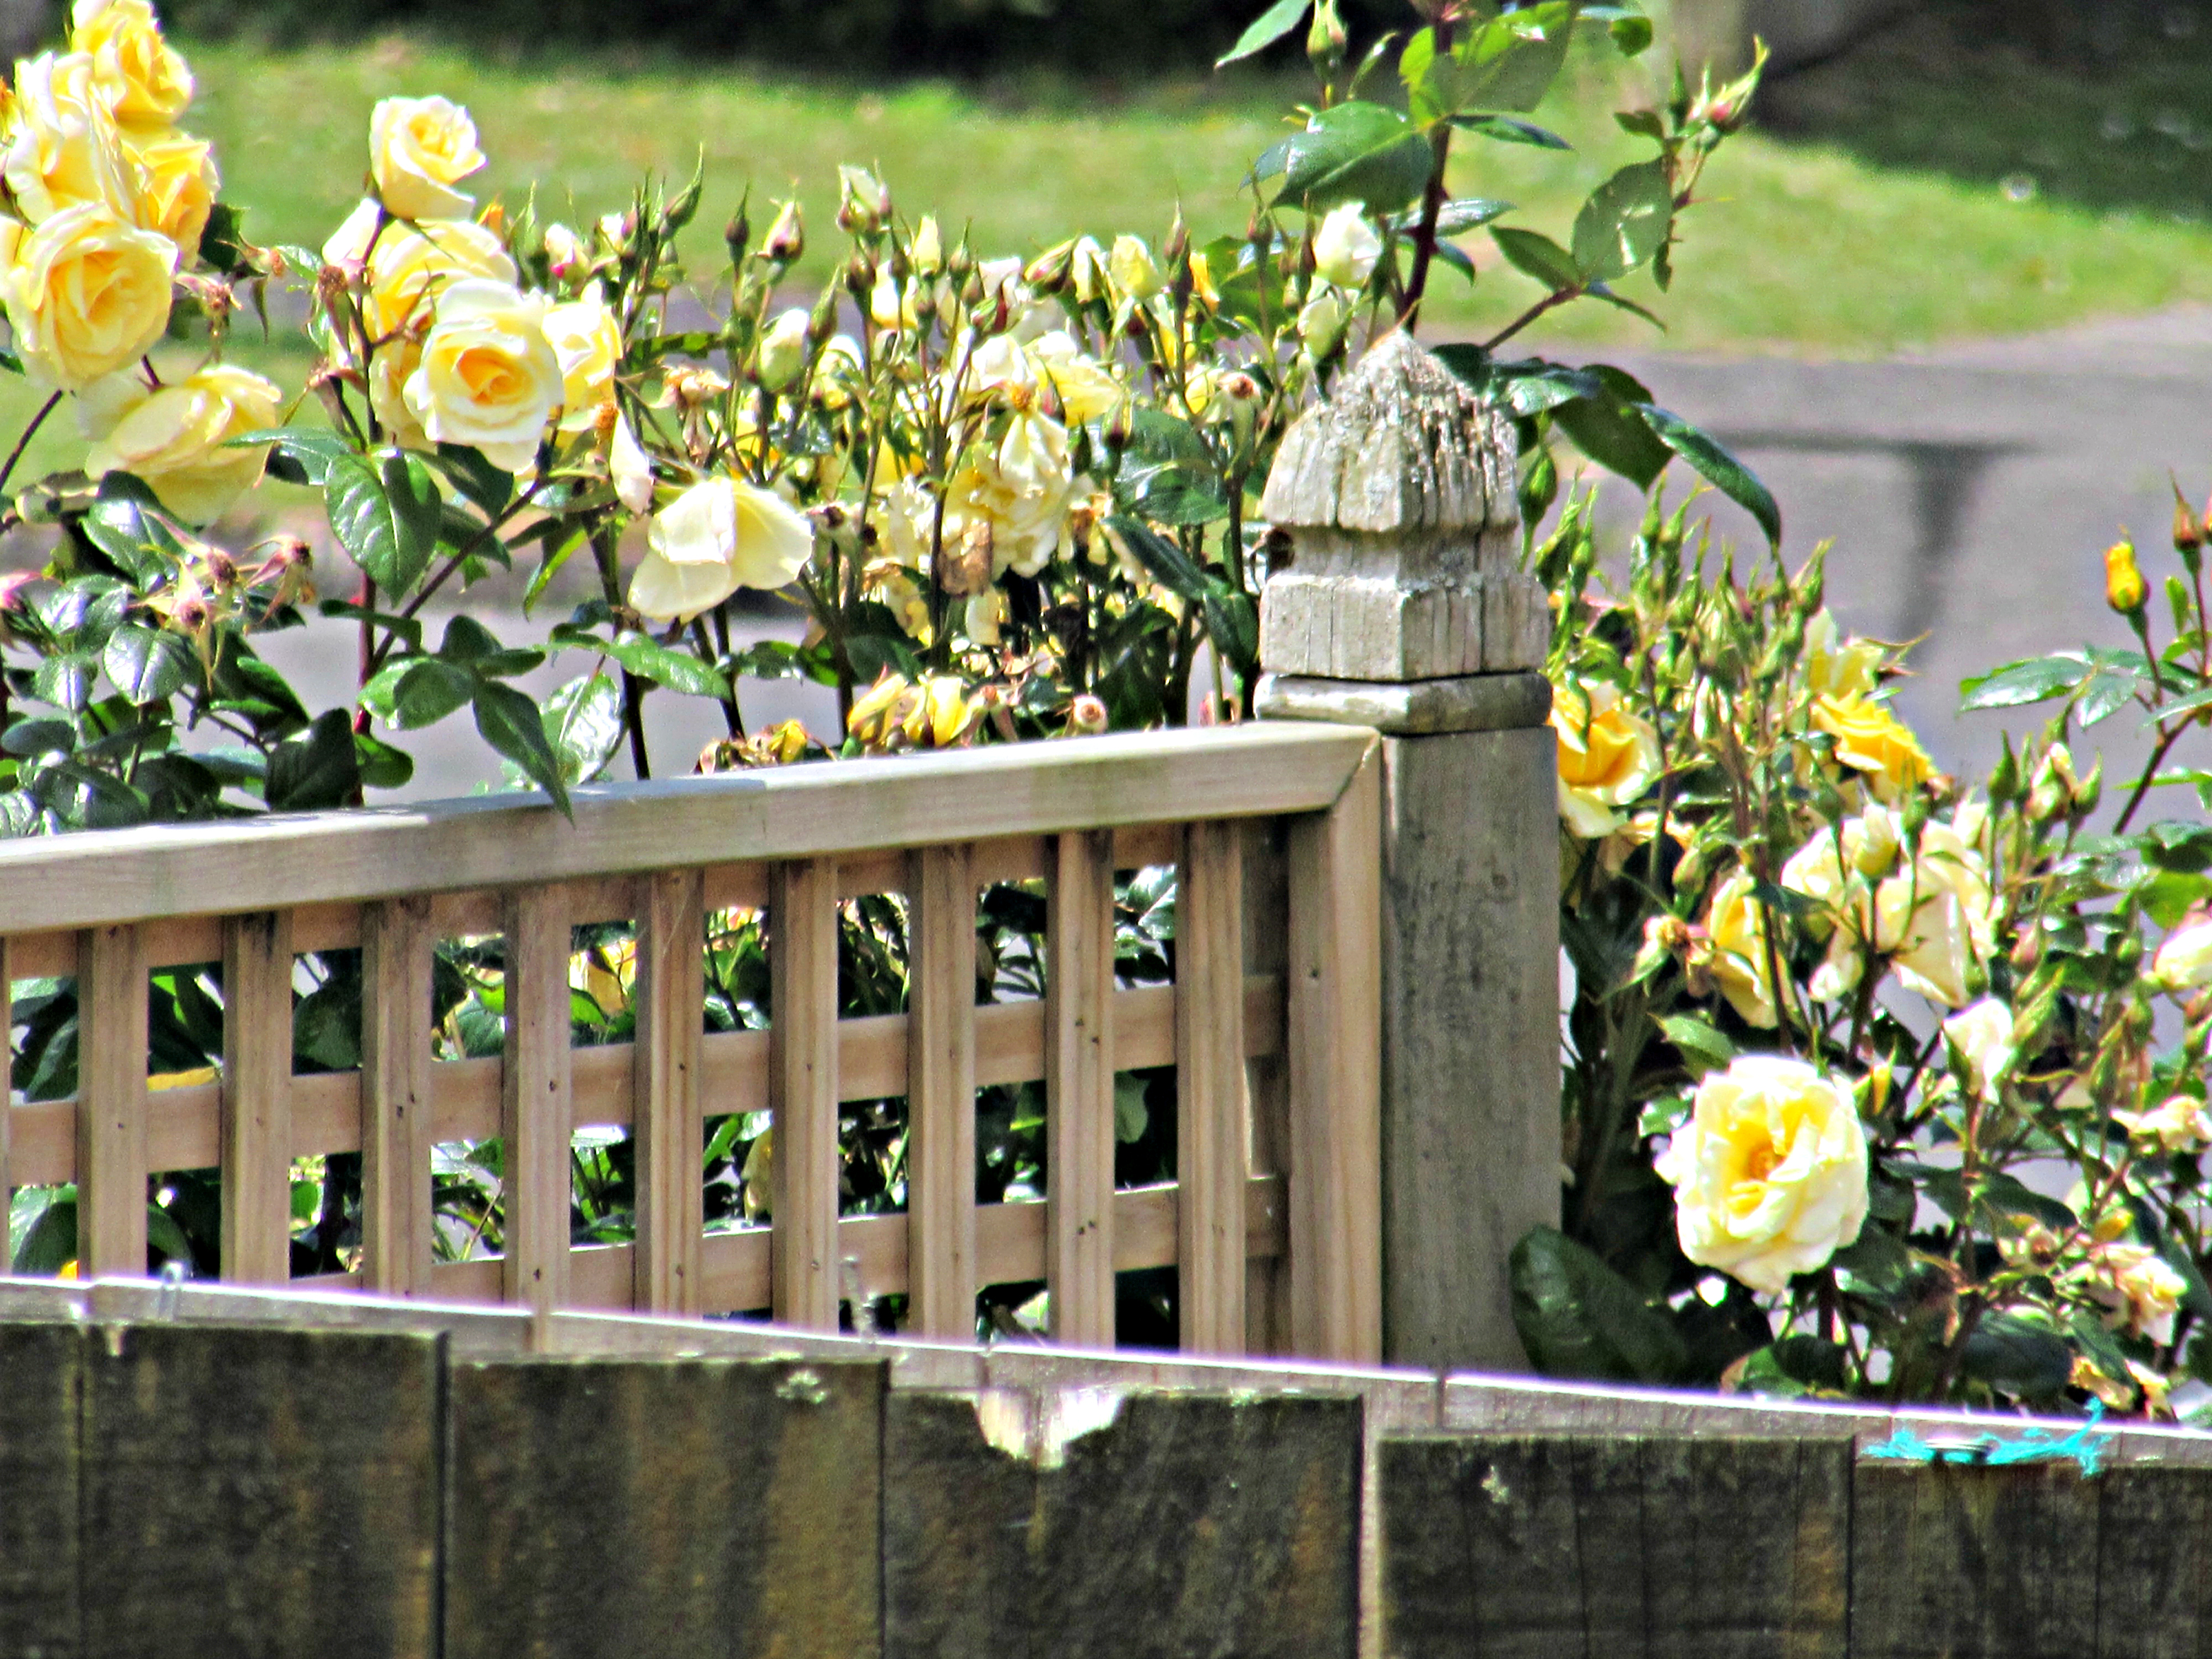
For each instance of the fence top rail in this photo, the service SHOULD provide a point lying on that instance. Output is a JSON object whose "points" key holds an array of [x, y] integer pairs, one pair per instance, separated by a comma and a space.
{"points": [[105, 877]]}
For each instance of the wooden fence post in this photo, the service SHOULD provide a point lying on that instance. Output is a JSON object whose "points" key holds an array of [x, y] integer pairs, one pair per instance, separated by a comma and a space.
{"points": [[1396, 600]]}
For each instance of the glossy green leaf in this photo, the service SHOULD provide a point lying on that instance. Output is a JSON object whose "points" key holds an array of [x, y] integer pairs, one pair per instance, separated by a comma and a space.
{"points": [[1714, 464], [1577, 1317], [679, 670], [1704, 1048], [2031, 679], [148, 664], [1537, 255], [1356, 151], [511, 723], [2022, 1357], [1506, 131], [317, 769], [426, 690], [65, 680], [1623, 222], [382, 766], [386, 513], [1609, 431], [1263, 30], [584, 725], [312, 449]]}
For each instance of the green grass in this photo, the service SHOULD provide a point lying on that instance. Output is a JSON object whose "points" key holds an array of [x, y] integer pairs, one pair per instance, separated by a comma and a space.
{"points": [[1881, 211]]}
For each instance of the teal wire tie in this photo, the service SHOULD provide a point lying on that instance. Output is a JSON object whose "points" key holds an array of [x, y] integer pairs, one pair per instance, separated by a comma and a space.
{"points": [[2085, 1447]]}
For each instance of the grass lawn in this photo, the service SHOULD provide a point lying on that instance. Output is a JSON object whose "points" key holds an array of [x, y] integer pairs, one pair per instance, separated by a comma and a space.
{"points": [[1930, 186]]}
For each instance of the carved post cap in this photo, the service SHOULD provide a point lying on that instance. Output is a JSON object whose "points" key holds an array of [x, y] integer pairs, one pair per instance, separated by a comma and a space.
{"points": [[1398, 497]]}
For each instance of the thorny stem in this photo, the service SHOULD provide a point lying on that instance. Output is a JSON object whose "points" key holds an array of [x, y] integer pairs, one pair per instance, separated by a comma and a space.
{"points": [[1432, 203]]}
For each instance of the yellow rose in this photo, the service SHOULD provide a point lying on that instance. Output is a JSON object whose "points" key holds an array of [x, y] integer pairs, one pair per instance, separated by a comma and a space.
{"points": [[1608, 756], [418, 148], [783, 348], [174, 437], [2177, 1124], [1345, 247], [139, 73], [1735, 925], [1983, 1036], [62, 148], [177, 184], [1084, 389], [489, 377], [1871, 739], [2140, 1293], [717, 537], [1836, 665], [408, 265], [87, 293], [1134, 271], [2184, 962], [389, 371], [587, 341], [1770, 1172], [1018, 489]]}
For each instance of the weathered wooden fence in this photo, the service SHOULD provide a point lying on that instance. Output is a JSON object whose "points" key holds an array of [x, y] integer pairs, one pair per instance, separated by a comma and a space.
{"points": [[198, 1470], [1273, 1223]]}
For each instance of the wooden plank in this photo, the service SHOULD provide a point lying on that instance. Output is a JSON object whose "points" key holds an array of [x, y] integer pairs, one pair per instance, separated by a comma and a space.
{"points": [[803, 1092], [110, 1116], [1176, 1524], [7, 1094], [2153, 1562], [40, 1469], [1265, 869], [786, 812], [1973, 1562], [1078, 1081], [681, 1510], [669, 1064], [394, 1113], [257, 1097], [1210, 1128], [940, 1089], [534, 1106], [1335, 1023], [260, 1492], [1662, 1548]]}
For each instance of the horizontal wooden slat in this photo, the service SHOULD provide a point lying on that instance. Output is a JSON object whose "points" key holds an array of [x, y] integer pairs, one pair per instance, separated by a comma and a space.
{"points": [[1009, 1237], [182, 1123], [855, 806]]}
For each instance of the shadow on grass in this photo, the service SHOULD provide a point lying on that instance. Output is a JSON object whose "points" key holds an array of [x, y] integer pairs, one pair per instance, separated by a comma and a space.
{"points": [[2105, 105]]}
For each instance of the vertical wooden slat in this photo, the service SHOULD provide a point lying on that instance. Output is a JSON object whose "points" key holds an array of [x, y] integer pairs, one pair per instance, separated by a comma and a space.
{"points": [[1210, 1132], [1266, 1077], [398, 956], [1336, 1015], [535, 1124], [1078, 1260], [111, 1113], [940, 1093], [803, 1092], [257, 1097], [666, 1070]]}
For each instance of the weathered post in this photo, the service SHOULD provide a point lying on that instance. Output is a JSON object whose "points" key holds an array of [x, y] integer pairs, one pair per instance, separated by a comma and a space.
{"points": [[1396, 600]]}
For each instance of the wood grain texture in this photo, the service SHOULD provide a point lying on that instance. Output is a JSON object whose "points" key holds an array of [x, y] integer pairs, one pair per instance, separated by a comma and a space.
{"points": [[668, 1064], [2153, 1562], [1616, 1548], [1334, 1033], [535, 1124], [940, 1029], [1185, 1525], [1210, 1113], [1471, 1036], [393, 1110], [257, 1097], [7, 1114], [806, 1267], [786, 812], [40, 1469], [1078, 1082], [678, 1510], [111, 1113], [1966, 1563], [261, 1493], [1265, 867]]}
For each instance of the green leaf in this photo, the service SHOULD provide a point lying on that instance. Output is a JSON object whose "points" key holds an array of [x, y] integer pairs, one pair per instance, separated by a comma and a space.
{"points": [[1631, 30], [407, 629], [1505, 130], [2175, 707], [1457, 216], [1131, 1117], [124, 522], [679, 670], [1506, 63], [1232, 624], [474, 477], [386, 514], [424, 691], [2031, 679], [1263, 30], [1704, 1048], [32, 738], [1795, 1365], [1166, 563], [1537, 255], [65, 680], [1623, 222], [510, 724], [316, 769], [2009, 1352], [1577, 1317], [1716, 466], [382, 766], [148, 664], [1610, 432], [313, 449], [1356, 151], [583, 723]]}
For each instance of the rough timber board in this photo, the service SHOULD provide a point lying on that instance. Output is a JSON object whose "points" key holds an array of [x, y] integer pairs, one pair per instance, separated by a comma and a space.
{"points": [[629, 1507], [966, 794], [259, 1493], [41, 1373], [1613, 1548], [1176, 1525]]}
